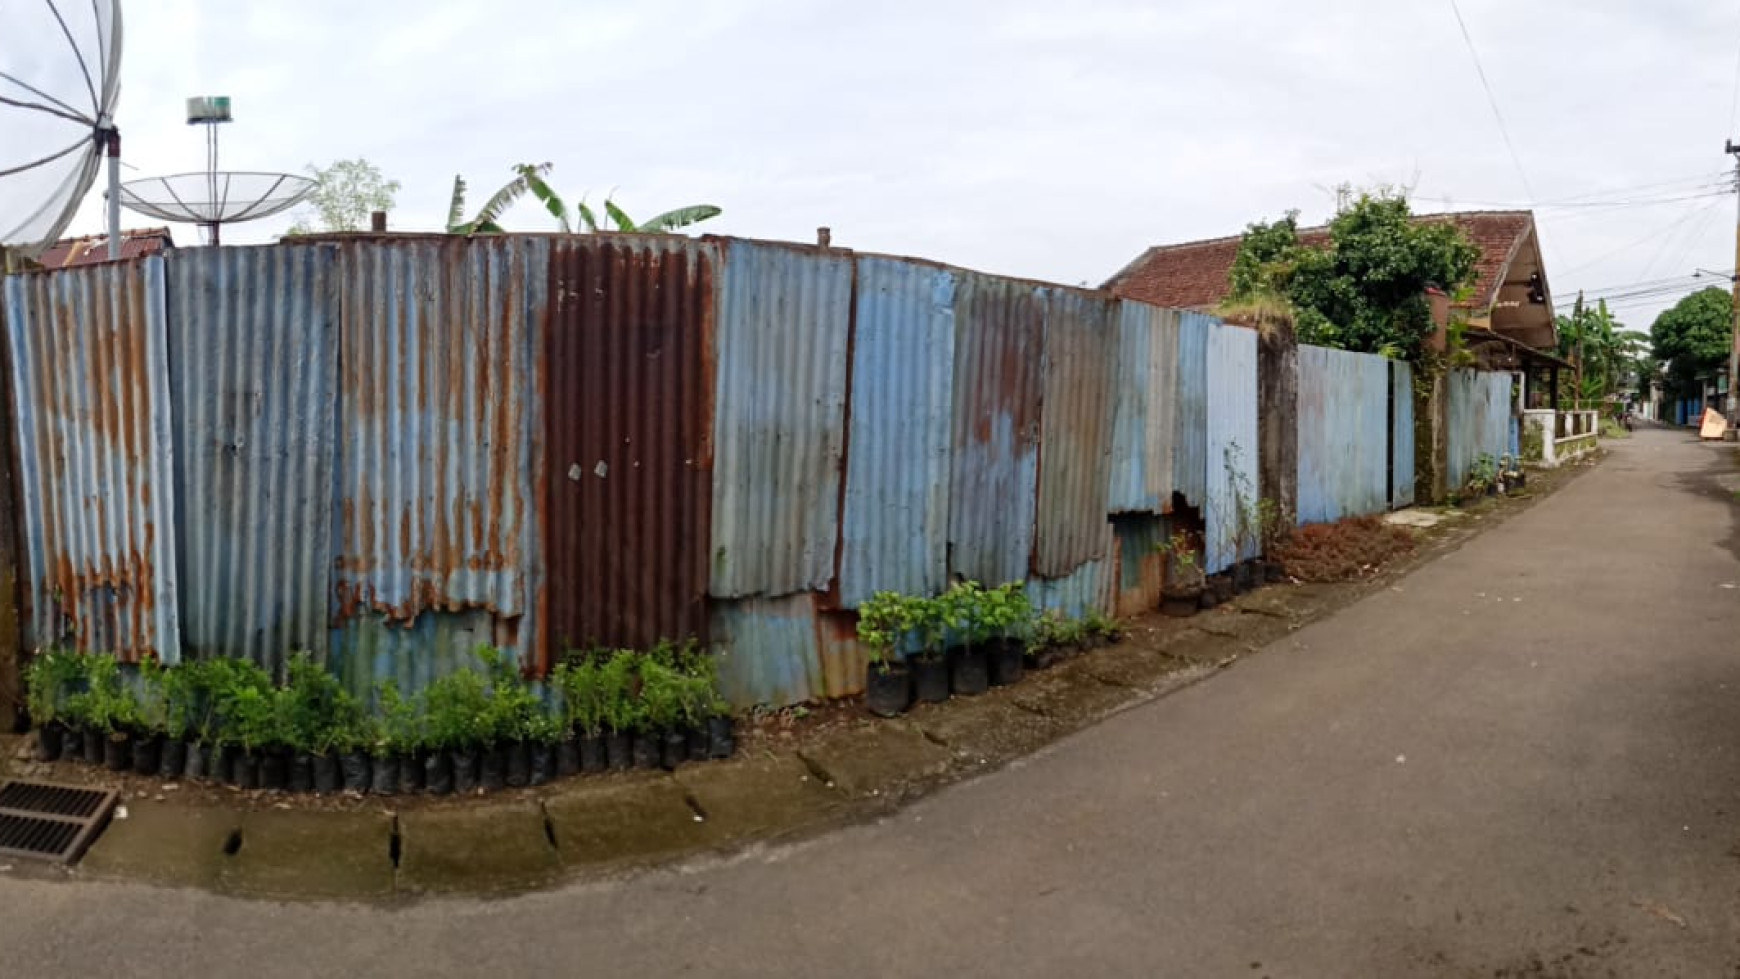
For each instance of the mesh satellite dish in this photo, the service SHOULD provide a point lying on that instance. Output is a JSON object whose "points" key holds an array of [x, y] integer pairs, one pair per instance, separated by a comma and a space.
{"points": [[60, 75], [216, 197]]}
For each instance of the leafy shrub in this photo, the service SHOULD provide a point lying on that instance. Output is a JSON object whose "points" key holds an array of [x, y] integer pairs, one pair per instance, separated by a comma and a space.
{"points": [[53, 676]]}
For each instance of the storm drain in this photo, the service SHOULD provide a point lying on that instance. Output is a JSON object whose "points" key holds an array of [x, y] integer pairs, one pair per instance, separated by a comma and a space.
{"points": [[40, 821]]}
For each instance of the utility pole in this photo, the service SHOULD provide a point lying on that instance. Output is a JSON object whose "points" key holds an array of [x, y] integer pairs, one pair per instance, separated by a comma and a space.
{"points": [[1733, 404]]}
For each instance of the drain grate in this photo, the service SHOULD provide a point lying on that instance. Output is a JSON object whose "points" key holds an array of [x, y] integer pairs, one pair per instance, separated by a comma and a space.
{"points": [[41, 821]]}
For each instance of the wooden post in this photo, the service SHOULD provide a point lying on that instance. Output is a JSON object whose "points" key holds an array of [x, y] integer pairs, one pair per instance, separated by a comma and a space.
{"points": [[378, 222]]}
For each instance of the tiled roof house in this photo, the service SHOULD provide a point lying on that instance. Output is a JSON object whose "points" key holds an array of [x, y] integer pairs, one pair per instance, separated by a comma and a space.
{"points": [[1509, 297]]}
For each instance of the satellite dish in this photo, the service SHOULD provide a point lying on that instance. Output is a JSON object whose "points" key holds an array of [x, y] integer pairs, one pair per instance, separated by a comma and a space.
{"points": [[60, 74], [216, 197]]}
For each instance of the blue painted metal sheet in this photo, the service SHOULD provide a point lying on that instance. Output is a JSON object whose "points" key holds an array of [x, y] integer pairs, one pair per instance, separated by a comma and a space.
{"points": [[442, 457], [1232, 446], [1145, 395], [767, 651], [1190, 462], [254, 381], [90, 379], [1479, 410], [1092, 585], [371, 648], [1081, 346], [779, 421], [898, 446], [1402, 445], [1343, 434], [993, 482]]}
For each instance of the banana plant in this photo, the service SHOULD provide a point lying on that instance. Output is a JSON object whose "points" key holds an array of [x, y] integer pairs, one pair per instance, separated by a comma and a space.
{"points": [[488, 218], [587, 219]]}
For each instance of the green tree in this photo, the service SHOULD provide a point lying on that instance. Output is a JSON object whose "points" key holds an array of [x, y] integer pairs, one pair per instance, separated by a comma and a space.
{"points": [[1365, 287], [1692, 337], [344, 196], [1603, 350]]}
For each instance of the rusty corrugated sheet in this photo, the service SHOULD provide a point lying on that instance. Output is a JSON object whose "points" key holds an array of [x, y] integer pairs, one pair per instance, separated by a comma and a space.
{"points": [[254, 379], [993, 483], [1190, 462], [629, 424], [782, 338], [895, 524], [1343, 424], [442, 376], [1401, 434], [1146, 394], [1232, 445], [1141, 565], [90, 373], [1075, 430]]}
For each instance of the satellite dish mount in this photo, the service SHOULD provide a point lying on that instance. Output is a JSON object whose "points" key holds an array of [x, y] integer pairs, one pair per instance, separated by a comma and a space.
{"points": [[215, 197]]}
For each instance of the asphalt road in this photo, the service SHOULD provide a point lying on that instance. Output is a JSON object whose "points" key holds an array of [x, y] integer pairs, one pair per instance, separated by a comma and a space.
{"points": [[1521, 760]]}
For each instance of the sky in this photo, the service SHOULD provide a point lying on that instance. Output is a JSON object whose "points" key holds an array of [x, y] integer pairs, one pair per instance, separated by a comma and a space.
{"points": [[1047, 140]]}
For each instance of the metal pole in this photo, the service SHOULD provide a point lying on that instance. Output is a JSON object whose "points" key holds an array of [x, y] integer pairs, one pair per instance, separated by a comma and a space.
{"points": [[114, 147], [1733, 404]]}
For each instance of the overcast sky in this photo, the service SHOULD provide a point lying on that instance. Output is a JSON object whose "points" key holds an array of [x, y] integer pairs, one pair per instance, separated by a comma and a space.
{"points": [[1041, 139]]}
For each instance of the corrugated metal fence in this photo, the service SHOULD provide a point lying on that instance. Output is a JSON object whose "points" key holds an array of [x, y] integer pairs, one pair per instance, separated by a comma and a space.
{"points": [[389, 450], [1479, 410]]}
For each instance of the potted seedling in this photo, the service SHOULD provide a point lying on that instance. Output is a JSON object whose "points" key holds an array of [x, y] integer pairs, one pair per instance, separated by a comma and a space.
{"points": [[250, 723], [505, 751], [917, 623], [1181, 595], [1003, 615], [1100, 628], [583, 711], [887, 681], [113, 712], [661, 690], [178, 711], [203, 679], [320, 719], [950, 618], [458, 710], [53, 676], [623, 711], [151, 717], [1042, 639], [543, 732], [402, 732]]}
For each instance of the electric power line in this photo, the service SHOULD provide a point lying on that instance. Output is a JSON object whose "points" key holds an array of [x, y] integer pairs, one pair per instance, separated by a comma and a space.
{"points": [[1492, 100]]}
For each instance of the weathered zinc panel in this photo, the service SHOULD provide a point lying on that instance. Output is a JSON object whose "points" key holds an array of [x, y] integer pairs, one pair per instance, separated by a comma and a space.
{"points": [[783, 336], [1146, 393], [1479, 410], [895, 525], [1343, 434], [1093, 585], [628, 434], [90, 375], [993, 482], [1141, 565], [1075, 431], [254, 381], [442, 375], [1190, 462], [1232, 445], [371, 649], [1401, 434], [766, 650]]}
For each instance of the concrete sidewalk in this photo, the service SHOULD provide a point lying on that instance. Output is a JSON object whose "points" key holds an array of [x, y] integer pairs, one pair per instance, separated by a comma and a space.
{"points": [[1521, 759]]}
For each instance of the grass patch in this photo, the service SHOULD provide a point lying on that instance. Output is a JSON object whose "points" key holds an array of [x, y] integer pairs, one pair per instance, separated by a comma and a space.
{"points": [[1346, 550]]}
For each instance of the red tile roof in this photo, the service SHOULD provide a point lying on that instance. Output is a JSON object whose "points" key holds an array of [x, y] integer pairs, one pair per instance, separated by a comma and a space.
{"points": [[1193, 275], [92, 249]]}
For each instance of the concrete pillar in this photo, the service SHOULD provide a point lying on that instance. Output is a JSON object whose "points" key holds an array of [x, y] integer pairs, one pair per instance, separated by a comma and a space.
{"points": [[1278, 418], [1431, 436]]}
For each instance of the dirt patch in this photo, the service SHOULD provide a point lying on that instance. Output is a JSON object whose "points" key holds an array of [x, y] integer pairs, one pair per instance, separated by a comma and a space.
{"points": [[1346, 550]]}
